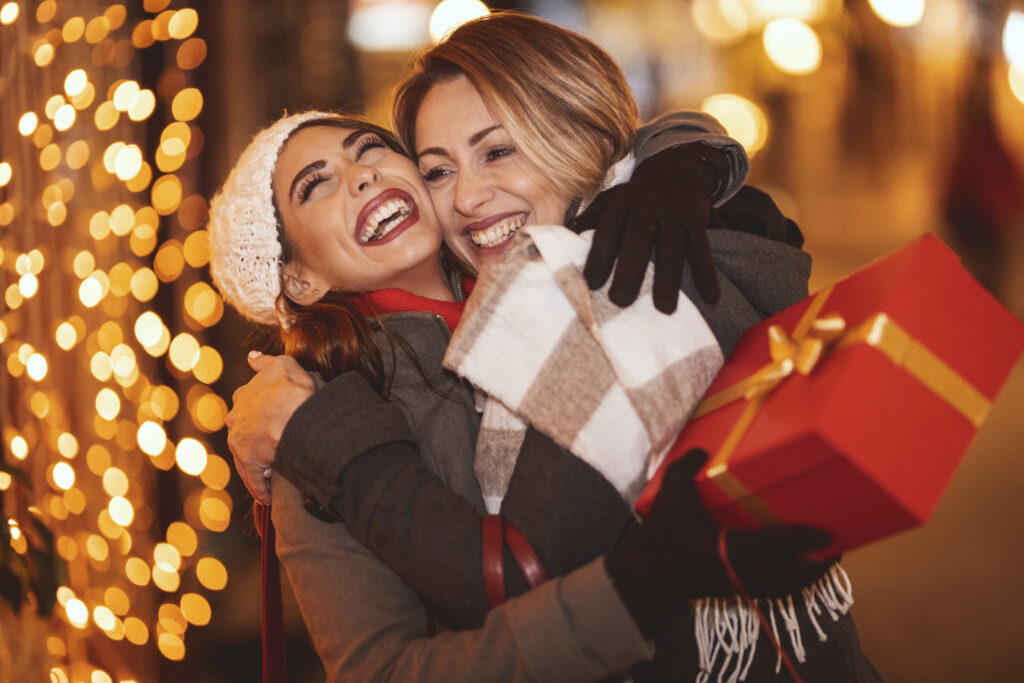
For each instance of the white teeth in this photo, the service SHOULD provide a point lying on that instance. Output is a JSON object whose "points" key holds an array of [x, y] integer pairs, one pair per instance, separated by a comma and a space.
{"points": [[497, 233], [384, 218]]}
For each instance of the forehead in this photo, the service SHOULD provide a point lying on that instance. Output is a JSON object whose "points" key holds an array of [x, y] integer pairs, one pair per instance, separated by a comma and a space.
{"points": [[452, 106], [310, 141]]}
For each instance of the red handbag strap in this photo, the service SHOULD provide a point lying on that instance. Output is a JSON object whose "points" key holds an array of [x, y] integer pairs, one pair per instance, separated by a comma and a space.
{"points": [[526, 558], [493, 561], [273, 605]]}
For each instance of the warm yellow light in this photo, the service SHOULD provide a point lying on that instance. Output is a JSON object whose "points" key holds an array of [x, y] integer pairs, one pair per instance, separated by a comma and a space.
{"points": [[743, 120], [77, 154], [171, 646], [75, 82], [6, 217], [191, 53], [187, 104], [121, 510], [97, 29], [36, 367], [209, 366], [117, 600], [899, 12], [450, 14], [183, 537], [125, 95], [85, 98], [127, 164], [27, 123], [151, 438], [215, 514], [166, 194], [122, 360], [793, 46], [184, 352], [183, 23], [78, 613], [5, 481], [64, 118], [721, 21], [166, 581], [108, 404], [8, 13], [66, 336], [90, 292], [67, 445], [190, 456], [217, 474], [105, 619], [1016, 77], [143, 106], [211, 573], [144, 284], [6, 172], [19, 447], [148, 328], [44, 54], [136, 631], [29, 285], [137, 571], [85, 262], [63, 476], [97, 547], [166, 557], [73, 29], [115, 481], [1013, 39], [169, 261], [195, 608], [106, 116]]}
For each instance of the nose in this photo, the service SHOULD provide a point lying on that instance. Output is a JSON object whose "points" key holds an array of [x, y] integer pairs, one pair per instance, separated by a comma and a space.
{"points": [[471, 192], [360, 177]]}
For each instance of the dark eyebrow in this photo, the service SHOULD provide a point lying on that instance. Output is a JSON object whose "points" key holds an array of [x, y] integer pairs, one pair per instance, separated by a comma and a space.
{"points": [[474, 140], [315, 166], [349, 140]]}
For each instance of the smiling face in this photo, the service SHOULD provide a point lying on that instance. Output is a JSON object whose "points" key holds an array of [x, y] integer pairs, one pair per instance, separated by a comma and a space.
{"points": [[484, 190], [357, 216]]}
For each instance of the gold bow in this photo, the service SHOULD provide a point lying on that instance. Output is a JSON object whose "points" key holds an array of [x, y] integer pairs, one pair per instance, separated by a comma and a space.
{"points": [[789, 354]]}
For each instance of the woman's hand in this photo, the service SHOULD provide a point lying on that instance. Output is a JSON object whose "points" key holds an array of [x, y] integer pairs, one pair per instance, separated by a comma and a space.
{"points": [[672, 557], [261, 409], [664, 211]]}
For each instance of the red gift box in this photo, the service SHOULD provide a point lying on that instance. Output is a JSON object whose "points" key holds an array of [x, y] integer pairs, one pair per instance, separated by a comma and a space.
{"points": [[850, 410]]}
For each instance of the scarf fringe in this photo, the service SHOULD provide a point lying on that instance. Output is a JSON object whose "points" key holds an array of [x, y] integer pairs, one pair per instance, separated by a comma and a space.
{"points": [[727, 630]]}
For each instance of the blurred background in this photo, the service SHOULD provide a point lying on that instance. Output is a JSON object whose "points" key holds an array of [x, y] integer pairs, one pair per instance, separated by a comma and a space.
{"points": [[871, 122]]}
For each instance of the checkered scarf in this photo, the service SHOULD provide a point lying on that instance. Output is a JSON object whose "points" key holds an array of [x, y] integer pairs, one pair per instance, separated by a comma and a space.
{"points": [[613, 385]]}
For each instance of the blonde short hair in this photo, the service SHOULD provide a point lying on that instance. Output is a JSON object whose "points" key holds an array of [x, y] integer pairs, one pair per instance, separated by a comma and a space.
{"points": [[564, 100]]}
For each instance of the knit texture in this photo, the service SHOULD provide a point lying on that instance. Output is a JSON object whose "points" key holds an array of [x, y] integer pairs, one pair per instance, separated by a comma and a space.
{"points": [[245, 251]]}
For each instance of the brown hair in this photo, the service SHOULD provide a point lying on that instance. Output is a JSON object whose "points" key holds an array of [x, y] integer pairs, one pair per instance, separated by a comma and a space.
{"points": [[564, 101]]}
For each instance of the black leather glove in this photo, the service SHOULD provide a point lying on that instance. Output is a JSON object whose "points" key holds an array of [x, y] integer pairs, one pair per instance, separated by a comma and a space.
{"points": [[672, 557], [663, 209]]}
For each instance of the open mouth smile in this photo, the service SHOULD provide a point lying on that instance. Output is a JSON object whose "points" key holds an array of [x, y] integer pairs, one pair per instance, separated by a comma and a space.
{"points": [[501, 230], [383, 215]]}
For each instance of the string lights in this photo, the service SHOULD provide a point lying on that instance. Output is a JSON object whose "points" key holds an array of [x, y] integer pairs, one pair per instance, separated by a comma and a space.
{"points": [[106, 387]]}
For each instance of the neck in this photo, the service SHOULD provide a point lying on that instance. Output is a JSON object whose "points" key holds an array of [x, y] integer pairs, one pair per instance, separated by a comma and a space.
{"points": [[431, 282]]}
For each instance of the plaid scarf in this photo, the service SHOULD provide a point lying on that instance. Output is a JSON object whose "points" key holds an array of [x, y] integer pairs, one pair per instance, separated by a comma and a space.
{"points": [[613, 385]]}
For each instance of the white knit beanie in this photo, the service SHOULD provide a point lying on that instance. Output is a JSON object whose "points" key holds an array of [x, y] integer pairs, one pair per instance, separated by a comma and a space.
{"points": [[245, 252]]}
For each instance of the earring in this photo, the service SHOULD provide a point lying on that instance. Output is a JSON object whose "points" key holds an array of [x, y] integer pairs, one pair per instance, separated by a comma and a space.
{"points": [[316, 292]]}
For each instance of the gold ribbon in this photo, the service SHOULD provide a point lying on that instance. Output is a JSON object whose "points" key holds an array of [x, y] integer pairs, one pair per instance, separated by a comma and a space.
{"points": [[801, 352]]}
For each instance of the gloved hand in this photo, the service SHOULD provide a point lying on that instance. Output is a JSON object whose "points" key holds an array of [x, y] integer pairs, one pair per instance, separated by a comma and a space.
{"points": [[672, 557], [663, 209]]}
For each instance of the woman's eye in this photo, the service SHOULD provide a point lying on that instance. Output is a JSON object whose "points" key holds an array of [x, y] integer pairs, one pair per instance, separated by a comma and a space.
{"points": [[309, 185], [368, 142], [496, 153], [435, 173]]}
